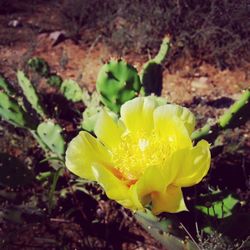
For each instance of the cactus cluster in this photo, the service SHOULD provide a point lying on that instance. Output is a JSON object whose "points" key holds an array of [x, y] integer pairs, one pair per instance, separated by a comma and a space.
{"points": [[41, 67], [117, 82], [47, 133]]}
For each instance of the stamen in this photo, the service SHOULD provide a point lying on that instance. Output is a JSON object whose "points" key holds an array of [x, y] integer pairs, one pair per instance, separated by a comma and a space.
{"points": [[138, 151]]}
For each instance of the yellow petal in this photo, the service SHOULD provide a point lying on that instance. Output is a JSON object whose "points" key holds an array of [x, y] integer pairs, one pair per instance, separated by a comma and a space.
{"points": [[170, 126], [108, 130], [115, 188], [170, 201], [194, 166], [137, 114], [186, 116], [153, 180], [82, 152]]}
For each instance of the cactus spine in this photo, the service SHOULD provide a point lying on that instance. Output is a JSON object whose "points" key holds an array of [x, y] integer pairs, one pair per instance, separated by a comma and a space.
{"points": [[117, 82]]}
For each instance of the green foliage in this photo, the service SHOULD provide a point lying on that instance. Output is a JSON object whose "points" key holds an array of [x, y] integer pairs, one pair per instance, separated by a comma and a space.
{"points": [[117, 82], [40, 66], [4, 85], [12, 112], [219, 208], [71, 90], [236, 115], [13, 172], [54, 81], [50, 134], [92, 110], [90, 116], [162, 231], [151, 75], [30, 93], [164, 50]]}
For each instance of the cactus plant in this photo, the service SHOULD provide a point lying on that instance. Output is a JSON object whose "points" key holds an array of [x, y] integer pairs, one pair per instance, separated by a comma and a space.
{"points": [[117, 82], [40, 66], [161, 230], [54, 80], [238, 113], [90, 114], [4, 85], [151, 75], [71, 90], [13, 113], [240, 110], [30, 93], [50, 134]]}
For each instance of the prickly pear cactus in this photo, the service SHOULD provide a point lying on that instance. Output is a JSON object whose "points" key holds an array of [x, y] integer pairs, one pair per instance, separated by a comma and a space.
{"points": [[30, 93], [40, 66], [117, 82], [50, 134], [236, 115], [71, 90], [93, 108], [161, 231], [12, 112], [238, 112], [151, 75], [4, 85], [54, 81]]}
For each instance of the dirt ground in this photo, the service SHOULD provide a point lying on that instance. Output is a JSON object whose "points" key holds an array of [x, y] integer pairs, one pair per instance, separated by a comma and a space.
{"points": [[36, 28]]}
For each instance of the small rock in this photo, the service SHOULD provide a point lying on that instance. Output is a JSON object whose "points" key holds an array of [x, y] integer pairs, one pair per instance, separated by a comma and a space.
{"points": [[14, 23]]}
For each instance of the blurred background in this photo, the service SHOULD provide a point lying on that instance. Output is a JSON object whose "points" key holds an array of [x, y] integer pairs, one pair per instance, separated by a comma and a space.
{"points": [[206, 69]]}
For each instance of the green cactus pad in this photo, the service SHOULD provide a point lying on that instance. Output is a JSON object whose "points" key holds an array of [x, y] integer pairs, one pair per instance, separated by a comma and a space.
{"points": [[50, 134], [30, 93], [164, 231], [40, 66], [151, 75], [117, 82], [54, 81], [4, 85], [90, 114], [11, 112], [71, 90]]}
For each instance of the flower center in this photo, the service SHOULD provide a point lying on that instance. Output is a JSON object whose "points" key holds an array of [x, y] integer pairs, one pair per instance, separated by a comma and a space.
{"points": [[137, 151]]}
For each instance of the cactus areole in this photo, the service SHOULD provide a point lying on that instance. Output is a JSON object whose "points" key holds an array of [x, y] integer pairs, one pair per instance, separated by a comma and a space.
{"points": [[117, 83]]}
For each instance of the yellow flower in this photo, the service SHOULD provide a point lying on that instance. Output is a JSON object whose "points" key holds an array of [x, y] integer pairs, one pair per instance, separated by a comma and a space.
{"points": [[144, 157]]}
